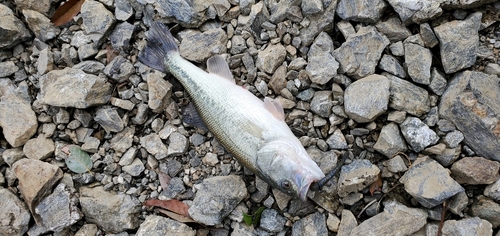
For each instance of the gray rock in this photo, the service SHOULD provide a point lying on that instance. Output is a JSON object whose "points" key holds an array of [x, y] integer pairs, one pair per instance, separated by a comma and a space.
{"points": [[356, 176], [390, 142], [97, 21], [279, 10], [417, 134], [438, 82], [154, 146], [135, 168], [216, 198], [321, 65], [393, 29], [396, 164], [113, 212], [466, 105], [418, 60], [40, 25], [119, 69], [73, 88], [366, 108], [178, 144], [459, 42], [430, 183], [337, 140], [428, 35], [191, 14], [15, 214], [199, 46], [10, 156], [318, 23], [473, 226], [493, 191], [175, 187], [238, 44], [453, 138], [397, 49], [353, 54], [486, 209], [347, 224], [122, 34], [326, 160], [458, 203], [322, 103], [475, 170], [87, 229], [361, 11], [39, 148], [122, 141], [142, 114], [159, 226], [253, 21], [391, 65], [45, 61], [408, 97], [311, 7], [313, 224], [109, 119], [91, 67], [210, 159], [160, 92], [346, 28], [91, 145], [396, 219], [7, 68], [270, 58], [60, 209], [416, 12], [278, 80], [123, 9], [492, 69], [465, 5], [271, 221], [13, 29], [123, 104]]}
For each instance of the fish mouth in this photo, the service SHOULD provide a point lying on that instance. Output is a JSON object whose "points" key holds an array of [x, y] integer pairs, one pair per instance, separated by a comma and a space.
{"points": [[303, 190]]}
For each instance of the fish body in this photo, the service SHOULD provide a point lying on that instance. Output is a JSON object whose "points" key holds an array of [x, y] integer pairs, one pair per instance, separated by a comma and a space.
{"points": [[252, 130]]}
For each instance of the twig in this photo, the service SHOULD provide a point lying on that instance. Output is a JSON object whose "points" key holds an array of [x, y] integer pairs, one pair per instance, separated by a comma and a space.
{"points": [[318, 185]]}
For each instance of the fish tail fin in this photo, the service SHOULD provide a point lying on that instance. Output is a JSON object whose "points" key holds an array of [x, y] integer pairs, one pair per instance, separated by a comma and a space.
{"points": [[161, 44]]}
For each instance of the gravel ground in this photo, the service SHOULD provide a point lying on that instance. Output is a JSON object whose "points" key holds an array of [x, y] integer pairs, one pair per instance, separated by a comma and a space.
{"points": [[407, 90]]}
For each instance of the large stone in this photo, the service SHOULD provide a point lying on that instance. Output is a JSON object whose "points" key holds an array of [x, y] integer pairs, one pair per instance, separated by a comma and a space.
{"points": [[158, 226], [356, 176], [40, 25], [318, 23], [190, 13], [14, 214], [418, 60], [253, 21], [471, 103], [160, 92], [366, 108], [475, 170], [199, 46], [270, 58], [39, 148], [417, 11], [473, 226], [459, 42], [360, 10], [313, 224], [487, 209], [393, 29], [73, 88], [408, 97], [13, 29], [60, 209], [97, 21], [390, 142], [321, 65]]}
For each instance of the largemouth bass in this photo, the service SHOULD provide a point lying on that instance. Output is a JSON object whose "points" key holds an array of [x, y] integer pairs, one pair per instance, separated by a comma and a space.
{"points": [[252, 130]]}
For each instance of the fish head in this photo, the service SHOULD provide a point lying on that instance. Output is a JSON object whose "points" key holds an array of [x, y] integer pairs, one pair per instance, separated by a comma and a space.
{"points": [[286, 165]]}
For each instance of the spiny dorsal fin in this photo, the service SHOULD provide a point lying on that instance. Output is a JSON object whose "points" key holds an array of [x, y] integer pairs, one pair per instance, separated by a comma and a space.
{"points": [[217, 65], [274, 106]]}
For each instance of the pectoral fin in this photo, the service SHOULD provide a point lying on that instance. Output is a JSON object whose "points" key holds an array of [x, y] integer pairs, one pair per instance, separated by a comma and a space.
{"points": [[217, 65], [274, 106]]}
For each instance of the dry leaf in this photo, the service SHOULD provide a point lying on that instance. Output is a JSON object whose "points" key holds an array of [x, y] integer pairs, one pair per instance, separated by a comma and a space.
{"points": [[66, 12], [171, 205], [177, 217], [377, 185]]}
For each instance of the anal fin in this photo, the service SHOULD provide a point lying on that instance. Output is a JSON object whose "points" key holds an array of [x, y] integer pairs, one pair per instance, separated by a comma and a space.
{"points": [[191, 117]]}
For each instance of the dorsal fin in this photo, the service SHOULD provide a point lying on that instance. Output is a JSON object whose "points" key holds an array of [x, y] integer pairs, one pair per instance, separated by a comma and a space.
{"points": [[274, 106], [217, 65]]}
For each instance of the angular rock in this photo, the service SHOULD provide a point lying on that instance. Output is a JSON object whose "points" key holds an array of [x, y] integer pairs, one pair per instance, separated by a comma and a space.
{"points": [[36, 179], [59, 210], [159, 226], [14, 214], [87, 229], [135, 168], [393, 29], [391, 65], [322, 103], [459, 42], [160, 92], [396, 219], [390, 142], [321, 65], [473, 226], [353, 54], [475, 170], [361, 11], [17, 119], [73, 88], [154, 146], [313, 224], [471, 103], [122, 141], [408, 97], [122, 34], [97, 21], [438, 82], [190, 14], [7, 68], [39, 148], [271, 221], [216, 198], [278, 80], [428, 35], [453, 138], [318, 23], [493, 191], [199, 46], [109, 119], [178, 144], [253, 22], [347, 224], [113, 212], [40, 25], [278, 12], [430, 183], [13, 29], [356, 176], [418, 60], [337, 140], [311, 7], [366, 108], [416, 11], [119, 69], [486, 209], [417, 134], [91, 67], [123, 10], [270, 58]]}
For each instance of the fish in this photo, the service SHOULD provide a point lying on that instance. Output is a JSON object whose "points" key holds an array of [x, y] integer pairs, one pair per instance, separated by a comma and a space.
{"points": [[252, 130]]}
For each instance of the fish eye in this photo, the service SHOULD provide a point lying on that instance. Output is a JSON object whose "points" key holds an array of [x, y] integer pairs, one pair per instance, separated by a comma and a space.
{"points": [[285, 184]]}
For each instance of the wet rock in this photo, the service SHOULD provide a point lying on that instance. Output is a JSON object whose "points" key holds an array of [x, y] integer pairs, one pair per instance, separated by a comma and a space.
{"points": [[59, 210], [36, 179], [487, 209], [121, 35], [13, 29], [396, 219], [159, 226], [199, 46], [473, 226], [416, 12], [270, 58], [390, 142], [419, 60], [113, 212], [353, 55], [318, 23], [366, 108], [271, 221], [14, 214], [178, 144], [356, 176], [39, 148], [459, 42], [97, 21], [73, 88], [216, 198], [321, 65], [154, 146], [17, 119], [253, 22], [109, 119], [361, 11], [430, 183], [322, 103], [337, 140], [475, 170], [393, 29], [314, 224], [474, 113], [119, 69], [391, 65], [417, 134], [40, 25]]}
